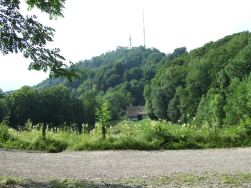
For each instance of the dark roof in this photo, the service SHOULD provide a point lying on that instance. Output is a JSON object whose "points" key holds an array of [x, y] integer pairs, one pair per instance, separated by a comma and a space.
{"points": [[134, 111]]}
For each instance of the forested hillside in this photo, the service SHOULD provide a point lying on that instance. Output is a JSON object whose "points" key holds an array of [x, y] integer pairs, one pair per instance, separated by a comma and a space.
{"points": [[122, 68], [118, 76], [209, 84]]}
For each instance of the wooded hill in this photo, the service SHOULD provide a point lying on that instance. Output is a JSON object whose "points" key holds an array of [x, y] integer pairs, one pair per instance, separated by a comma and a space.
{"points": [[119, 76], [209, 84], [130, 68]]}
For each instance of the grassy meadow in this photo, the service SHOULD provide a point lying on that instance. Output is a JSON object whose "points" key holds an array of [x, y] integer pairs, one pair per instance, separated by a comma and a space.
{"points": [[141, 135]]}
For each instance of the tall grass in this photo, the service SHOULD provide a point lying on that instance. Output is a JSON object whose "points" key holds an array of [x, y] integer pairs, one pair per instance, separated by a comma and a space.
{"points": [[143, 135]]}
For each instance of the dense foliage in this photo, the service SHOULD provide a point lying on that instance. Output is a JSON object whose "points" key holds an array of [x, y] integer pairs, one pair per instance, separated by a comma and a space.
{"points": [[52, 106], [118, 76], [209, 85], [26, 35], [144, 135]]}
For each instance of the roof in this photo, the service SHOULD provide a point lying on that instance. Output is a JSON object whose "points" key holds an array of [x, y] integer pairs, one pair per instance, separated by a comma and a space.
{"points": [[134, 111]]}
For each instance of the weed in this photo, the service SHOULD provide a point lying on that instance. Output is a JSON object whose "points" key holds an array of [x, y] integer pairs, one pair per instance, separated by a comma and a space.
{"points": [[143, 135]]}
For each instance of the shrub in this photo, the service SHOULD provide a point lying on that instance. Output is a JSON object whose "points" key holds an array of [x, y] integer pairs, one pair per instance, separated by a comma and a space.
{"points": [[4, 133]]}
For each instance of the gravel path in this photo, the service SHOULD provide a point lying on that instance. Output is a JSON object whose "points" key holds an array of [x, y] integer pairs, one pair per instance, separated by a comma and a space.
{"points": [[117, 164]]}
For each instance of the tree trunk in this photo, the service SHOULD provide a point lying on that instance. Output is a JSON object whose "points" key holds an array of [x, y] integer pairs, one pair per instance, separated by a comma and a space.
{"points": [[44, 132], [104, 132]]}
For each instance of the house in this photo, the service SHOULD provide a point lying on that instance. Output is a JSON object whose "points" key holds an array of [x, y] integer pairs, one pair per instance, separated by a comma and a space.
{"points": [[136, 113], [121, 48]]}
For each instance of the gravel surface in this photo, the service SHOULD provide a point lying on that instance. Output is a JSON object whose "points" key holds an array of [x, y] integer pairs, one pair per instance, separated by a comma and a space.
{"points": [[117, 164]]}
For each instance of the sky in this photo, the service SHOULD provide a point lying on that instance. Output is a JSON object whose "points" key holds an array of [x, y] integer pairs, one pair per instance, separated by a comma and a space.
{"points": [[91, 28]]}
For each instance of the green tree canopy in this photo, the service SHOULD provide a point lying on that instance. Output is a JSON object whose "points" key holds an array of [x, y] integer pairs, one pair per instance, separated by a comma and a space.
{"points": [[26, 35]]}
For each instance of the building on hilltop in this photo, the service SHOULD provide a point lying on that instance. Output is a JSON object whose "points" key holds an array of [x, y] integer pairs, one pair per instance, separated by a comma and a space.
{"points": [[126, 47], [122, 47], [136, 113]]}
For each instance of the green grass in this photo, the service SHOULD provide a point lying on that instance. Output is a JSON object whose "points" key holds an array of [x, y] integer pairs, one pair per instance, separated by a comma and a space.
{"points": [[140, 135], [205, 179], [124, 126]]}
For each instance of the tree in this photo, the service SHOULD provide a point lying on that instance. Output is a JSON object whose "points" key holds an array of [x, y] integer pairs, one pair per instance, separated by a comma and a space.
{"points": [[2, 105], [120, 68], [1, 93], [28, 36], [119, 101], [104, 116], [136, 73], [57, 103], [77, 112], [25, 104], [90, 104]]}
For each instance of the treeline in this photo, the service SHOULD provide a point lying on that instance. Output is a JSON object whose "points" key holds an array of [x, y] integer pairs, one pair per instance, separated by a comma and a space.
{"points": [[117, 76], [209, 85], [52, 106]]}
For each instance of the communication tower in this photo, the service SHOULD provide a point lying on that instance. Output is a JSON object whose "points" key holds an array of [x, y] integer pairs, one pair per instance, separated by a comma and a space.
{"points": [[144, 29], [130, 41]]}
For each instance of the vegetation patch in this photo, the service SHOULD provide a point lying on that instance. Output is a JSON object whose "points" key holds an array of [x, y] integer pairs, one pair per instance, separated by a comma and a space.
{"points": [[145, 135], [205, 179]]}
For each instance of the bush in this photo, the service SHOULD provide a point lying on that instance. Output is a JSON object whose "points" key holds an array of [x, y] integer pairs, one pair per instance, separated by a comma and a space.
{"points": [[153, 135], [49, 145], [4, 133]]}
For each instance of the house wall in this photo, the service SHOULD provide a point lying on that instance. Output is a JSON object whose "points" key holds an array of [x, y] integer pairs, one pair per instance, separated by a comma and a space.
{"points": [[144, 117], [136, 119], [132, 119]]}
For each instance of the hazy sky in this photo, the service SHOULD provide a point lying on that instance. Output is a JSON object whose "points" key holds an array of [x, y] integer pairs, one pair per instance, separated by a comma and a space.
{"points": [[91, 28]]}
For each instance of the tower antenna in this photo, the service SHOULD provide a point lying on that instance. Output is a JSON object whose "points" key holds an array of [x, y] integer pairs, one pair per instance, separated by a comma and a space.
{"points": [[144, 29], [130, 41]]}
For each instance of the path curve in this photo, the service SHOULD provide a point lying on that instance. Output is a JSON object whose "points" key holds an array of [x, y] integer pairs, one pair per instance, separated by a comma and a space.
{"points": [[117, 164]]}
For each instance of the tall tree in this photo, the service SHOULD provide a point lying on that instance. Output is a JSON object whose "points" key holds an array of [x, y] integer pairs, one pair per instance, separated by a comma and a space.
{"points": [[26, 35], [90, 104], [25, 104], [57, 104]]}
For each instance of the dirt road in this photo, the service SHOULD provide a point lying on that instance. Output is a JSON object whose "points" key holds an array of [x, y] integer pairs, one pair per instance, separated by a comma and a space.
{"points": [[117, 164]]}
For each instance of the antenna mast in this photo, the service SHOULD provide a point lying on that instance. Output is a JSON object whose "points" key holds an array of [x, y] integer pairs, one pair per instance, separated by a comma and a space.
{"points": [[130, 41], [144, 29]]}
